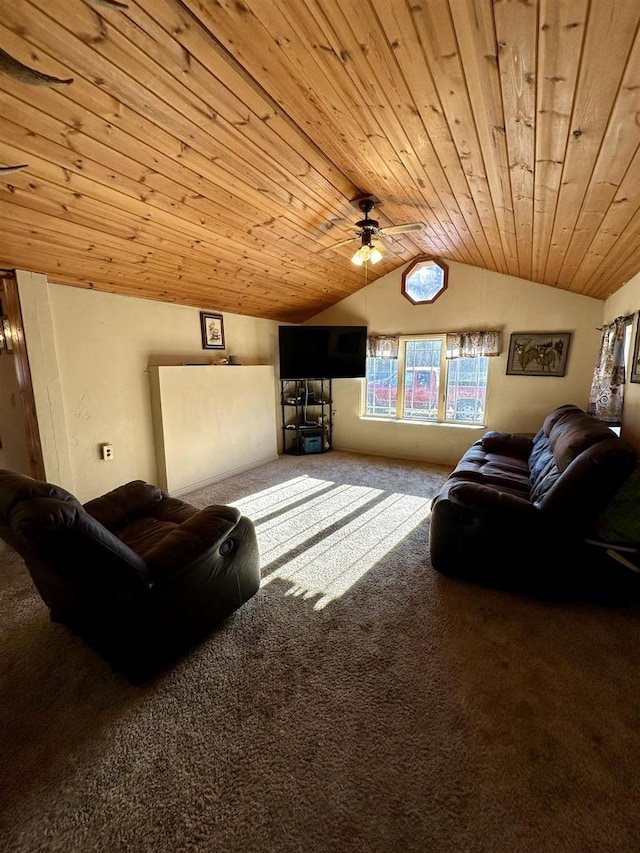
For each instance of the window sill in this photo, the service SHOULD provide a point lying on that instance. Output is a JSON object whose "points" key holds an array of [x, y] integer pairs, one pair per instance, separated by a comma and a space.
{"points": [[414, 422]]}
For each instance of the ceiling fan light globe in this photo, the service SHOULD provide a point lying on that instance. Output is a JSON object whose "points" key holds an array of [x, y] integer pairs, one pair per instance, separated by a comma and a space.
{"points": [[375, 255], [357, 258]]}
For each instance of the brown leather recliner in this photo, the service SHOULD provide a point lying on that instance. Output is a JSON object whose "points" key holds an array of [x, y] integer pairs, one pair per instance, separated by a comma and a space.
{"points": [[139, 575]]}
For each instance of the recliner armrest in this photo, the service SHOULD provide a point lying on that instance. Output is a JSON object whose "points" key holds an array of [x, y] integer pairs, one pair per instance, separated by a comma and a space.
{"points": [[192, 540]]}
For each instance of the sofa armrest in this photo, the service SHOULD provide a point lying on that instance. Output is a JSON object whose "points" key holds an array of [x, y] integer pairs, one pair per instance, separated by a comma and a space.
{"points": [[507, 443], [193, 541], [126, 503], [478, 498], [481, 533]]}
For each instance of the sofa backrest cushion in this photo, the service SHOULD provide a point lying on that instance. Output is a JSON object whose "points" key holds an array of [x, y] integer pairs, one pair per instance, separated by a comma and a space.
{"points": [[560, 412], [574, 433], [588, 483]]}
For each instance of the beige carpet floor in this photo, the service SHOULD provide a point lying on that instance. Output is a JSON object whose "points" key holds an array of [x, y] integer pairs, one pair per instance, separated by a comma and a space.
{"points": [[359, 702]]}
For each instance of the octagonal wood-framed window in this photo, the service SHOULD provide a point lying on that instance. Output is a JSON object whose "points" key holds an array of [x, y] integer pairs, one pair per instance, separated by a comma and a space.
{"points": [[424, 280]]}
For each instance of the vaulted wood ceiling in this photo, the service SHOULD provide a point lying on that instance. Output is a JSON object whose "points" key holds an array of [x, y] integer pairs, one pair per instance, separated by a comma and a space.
{"points": [[207, 150]]}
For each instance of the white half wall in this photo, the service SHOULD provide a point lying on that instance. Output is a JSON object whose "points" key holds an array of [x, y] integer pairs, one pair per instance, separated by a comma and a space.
{"points": [[212, 422]]}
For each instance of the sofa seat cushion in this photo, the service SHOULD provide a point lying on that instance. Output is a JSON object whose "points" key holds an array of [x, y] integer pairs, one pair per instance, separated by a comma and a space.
{"points": [[490, 469], [476, 459]]}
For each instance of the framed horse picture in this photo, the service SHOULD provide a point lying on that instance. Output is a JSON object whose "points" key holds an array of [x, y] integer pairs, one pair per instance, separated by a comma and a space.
{"points": [[538, 353]]}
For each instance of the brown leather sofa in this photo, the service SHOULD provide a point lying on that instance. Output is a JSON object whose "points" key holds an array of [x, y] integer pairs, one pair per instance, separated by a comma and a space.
{"points": [[139, 575], [516, 510]]}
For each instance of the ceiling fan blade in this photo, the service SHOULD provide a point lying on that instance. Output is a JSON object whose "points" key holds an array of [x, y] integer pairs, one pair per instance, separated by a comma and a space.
{"points": [[335, 245], [402, 229]]}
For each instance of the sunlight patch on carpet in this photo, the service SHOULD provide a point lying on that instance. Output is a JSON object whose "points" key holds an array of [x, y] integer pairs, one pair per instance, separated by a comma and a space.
{"points": [[278, 497], [289, 531], [336, 539]]}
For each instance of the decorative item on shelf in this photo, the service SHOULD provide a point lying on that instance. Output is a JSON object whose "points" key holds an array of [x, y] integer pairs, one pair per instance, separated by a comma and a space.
{"points": [[234, 359], [212, 328], [538, 353]]}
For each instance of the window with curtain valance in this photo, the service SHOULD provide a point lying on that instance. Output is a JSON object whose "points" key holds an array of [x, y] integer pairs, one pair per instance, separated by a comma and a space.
{"points": [[433, 378], [383, 346], [458, 345], [473, 344]]}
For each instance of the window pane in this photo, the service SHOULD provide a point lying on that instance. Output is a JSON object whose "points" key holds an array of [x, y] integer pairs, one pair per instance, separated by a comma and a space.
{"points": [[382, 386], [422, 379], [467, 389]]}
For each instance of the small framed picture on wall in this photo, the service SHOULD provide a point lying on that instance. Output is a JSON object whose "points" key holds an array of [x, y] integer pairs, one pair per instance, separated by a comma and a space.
{"points": [[212, 328]]}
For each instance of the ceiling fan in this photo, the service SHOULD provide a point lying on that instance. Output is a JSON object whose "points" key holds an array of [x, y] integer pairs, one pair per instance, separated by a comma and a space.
{"points": [[368, 228]]}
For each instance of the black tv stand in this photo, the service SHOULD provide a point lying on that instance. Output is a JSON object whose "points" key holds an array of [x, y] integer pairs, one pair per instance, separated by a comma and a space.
{"points": [[307, 422]]}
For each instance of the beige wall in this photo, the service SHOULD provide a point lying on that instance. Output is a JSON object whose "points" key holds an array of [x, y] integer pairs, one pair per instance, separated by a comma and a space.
{"points": [[627, 301], [100, 350], [90, 353], [474, 299]]}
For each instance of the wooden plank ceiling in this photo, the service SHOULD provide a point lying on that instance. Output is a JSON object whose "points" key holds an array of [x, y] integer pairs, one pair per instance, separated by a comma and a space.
{"points": [[207, 153]]}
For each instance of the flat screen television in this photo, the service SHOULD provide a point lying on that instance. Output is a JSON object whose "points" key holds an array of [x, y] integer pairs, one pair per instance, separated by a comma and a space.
{"points": [[322, 352]]}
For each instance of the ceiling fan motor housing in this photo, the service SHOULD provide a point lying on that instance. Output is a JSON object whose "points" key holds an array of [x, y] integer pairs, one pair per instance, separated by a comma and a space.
{"points": [[368, 224]]}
